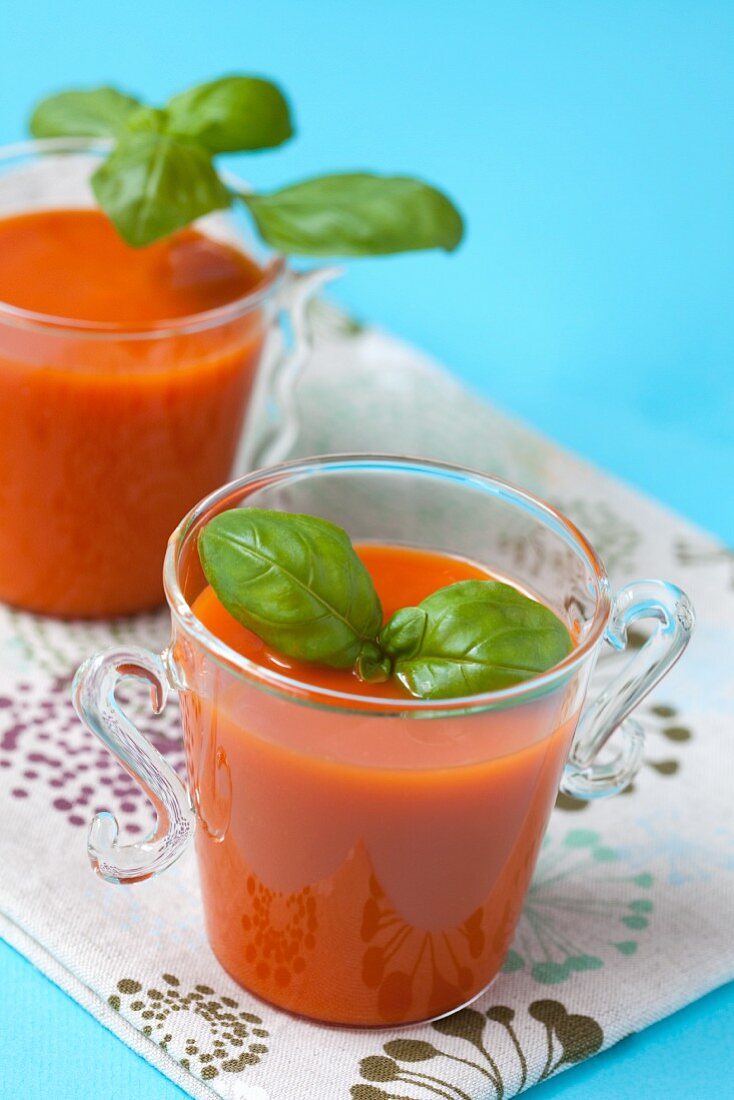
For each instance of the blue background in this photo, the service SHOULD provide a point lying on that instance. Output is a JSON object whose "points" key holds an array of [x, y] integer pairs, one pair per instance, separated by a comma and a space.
{"points": [[590, 147]]}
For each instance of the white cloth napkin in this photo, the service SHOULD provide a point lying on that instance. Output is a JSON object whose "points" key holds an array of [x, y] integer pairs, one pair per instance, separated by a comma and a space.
{"points": [[631, 909]]}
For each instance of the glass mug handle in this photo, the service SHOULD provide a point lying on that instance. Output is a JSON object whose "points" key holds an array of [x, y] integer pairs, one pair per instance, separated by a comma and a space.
{"points": [[274, 400], [585, 777], [93, 693]]}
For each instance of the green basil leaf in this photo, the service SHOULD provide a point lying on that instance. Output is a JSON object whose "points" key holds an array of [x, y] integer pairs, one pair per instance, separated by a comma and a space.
{"points": [[356, 214], [99, 112], [153, 184], [295, 581], [476, 636], [232, 114]]}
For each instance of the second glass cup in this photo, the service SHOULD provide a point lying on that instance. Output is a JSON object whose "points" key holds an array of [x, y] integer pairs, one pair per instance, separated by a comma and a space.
{"points": [[364, 860], [110, 431]]}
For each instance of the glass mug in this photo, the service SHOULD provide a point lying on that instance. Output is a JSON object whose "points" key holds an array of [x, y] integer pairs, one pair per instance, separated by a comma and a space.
{"points": [[110, 432], [364, 861]]}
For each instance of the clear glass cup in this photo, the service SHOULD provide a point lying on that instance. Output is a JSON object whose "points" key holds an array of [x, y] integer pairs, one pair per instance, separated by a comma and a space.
{"points": [[110, 432], [364, 861]]}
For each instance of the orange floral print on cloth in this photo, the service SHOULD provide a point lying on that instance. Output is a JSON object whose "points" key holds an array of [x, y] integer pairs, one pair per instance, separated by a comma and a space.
{"points": [[395, 950], [391, 966], [280, 931]]}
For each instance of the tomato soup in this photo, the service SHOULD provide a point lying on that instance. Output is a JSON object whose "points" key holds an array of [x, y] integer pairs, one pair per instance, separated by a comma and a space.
{"points": [[359, 867], [116, 413]]}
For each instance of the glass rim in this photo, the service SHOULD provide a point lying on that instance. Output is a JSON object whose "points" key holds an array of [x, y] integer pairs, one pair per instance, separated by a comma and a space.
{"points": [[274, 272], [299, 691]]}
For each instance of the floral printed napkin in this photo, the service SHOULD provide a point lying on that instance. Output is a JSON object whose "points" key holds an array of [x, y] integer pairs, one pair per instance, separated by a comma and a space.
{"points": [[630, 912]]}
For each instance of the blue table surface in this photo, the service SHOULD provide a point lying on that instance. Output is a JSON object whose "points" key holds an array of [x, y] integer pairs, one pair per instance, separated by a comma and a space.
{"points": [[590, 147]]}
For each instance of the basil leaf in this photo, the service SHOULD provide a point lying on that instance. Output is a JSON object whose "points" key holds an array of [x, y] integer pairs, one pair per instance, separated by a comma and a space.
{"points": [[356, 214], [232, 114], [153, 184], [99, 112], [472, 637], [295, 581]]}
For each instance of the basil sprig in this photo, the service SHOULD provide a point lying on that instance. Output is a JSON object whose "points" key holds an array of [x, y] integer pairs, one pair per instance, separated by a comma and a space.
{"points": [[296, 582], [160, 175]]}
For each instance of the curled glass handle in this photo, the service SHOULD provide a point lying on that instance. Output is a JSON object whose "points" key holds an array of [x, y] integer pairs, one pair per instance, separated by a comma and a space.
{"points": [[274, 405], [671, 610], [93, 693]]}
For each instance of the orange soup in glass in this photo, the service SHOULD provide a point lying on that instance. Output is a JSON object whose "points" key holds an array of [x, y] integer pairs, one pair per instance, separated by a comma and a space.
{"points": [[364, 855], [410, 851], [125, 378]]}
